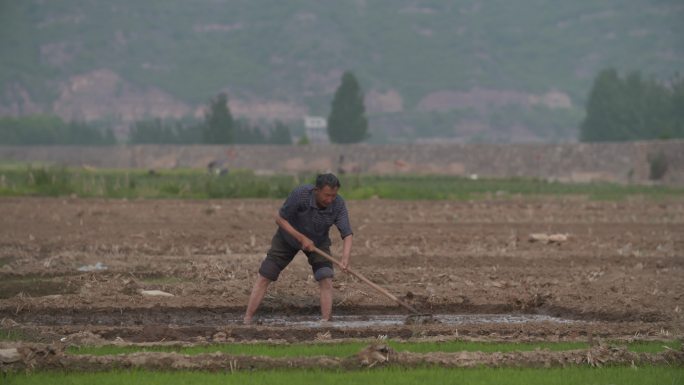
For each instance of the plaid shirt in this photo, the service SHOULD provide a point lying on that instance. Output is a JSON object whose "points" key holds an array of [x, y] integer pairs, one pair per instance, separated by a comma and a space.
{"points": [[301, 211]]}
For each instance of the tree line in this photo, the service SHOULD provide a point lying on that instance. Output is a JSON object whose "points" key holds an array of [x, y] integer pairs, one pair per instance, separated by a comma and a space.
{"points": [[618, 109], [347, 123], [48, 129], [218, 127], [633, 108]]}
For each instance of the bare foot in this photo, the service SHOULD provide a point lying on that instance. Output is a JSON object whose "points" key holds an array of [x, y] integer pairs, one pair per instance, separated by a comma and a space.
{"points": [[247, 321]]}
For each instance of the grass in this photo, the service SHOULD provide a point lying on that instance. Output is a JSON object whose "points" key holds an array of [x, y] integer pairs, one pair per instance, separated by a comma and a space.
{"points": [[33, 286], [459, 188], [197, 184], [654, 346], [6, 260], [392, 375], [349, 348], [12, 335]]}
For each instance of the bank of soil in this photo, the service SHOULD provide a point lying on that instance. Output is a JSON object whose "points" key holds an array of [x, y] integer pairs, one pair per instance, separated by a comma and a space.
{"points": [[619, 274]]}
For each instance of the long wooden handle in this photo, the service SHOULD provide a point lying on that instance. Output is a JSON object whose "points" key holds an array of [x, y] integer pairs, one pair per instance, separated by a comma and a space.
{"points": [[366, 280]]}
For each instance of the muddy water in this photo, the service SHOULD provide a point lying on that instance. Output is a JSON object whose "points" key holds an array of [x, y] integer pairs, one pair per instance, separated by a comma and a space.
{"points": [[351, 321], [203, 317]]}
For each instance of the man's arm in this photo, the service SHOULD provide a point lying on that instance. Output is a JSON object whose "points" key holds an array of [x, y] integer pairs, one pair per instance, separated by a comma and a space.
{"points": [[307, 244], [346, 251], [343, 225]]}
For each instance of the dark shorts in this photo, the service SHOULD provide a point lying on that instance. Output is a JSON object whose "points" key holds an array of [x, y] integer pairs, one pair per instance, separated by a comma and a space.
{"points": [[282, 253]]}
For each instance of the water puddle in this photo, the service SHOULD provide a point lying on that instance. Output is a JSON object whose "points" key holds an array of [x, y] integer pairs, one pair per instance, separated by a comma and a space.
{"points": [[354, 321], [206, 318]]}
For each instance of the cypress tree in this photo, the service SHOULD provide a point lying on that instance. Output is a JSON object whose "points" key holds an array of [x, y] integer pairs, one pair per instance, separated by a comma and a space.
{"points": [[218, 122], [347, 122], [603, 121]]}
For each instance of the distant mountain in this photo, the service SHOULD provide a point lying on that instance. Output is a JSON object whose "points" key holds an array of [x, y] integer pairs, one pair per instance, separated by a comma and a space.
{"points": [[503, 71]]}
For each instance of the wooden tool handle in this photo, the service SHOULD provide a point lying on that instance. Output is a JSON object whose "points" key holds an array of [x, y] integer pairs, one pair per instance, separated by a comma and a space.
{"points": [[367, 281]]}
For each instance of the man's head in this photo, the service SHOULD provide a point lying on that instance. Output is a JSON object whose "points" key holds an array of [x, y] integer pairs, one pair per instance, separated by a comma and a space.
{"points": [[326, 189]]}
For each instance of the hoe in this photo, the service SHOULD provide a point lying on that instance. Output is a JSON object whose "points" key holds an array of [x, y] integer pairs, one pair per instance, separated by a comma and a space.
{"points": [[415, 318]]}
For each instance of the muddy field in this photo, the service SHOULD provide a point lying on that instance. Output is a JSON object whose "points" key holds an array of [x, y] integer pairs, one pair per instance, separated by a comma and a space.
{"points": [[72, 270]]}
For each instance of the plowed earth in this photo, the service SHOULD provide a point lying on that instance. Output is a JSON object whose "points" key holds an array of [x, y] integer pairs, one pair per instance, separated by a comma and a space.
{"points": [[619, 274]]}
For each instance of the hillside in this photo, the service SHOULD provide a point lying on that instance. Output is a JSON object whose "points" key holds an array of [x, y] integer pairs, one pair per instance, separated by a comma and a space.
{"points": [[468, 70]]}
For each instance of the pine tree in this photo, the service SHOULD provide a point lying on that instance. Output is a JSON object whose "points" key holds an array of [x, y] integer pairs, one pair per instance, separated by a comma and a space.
{"points": [[347, 122], [218, 122]]}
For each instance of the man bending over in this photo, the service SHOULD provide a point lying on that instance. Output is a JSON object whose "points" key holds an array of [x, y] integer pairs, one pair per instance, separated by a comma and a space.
{"points": [[303, 222]]}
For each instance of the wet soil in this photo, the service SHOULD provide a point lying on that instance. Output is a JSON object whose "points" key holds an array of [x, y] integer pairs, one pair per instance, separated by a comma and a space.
{"points": [[33, 287], [41, 357], [620, 274]]}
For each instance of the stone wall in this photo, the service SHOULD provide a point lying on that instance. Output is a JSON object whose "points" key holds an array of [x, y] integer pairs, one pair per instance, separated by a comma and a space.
{"points": [[578, 162]]}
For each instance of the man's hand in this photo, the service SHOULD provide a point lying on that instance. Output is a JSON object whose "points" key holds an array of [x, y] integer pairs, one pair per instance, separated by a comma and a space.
{"points": [[307, 244], [344, 263]]}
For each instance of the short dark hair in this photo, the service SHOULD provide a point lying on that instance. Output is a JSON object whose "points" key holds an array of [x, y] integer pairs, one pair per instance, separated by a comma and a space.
{"points": [[323, 180]]}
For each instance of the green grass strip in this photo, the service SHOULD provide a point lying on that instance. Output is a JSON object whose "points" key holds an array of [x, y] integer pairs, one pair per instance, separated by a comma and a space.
{"points": [[12, 335], [398, 376], [349, 348], [198, 184]]}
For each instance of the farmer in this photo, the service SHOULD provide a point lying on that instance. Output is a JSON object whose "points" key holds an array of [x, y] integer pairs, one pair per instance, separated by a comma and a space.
{"points": [[303, 224]]}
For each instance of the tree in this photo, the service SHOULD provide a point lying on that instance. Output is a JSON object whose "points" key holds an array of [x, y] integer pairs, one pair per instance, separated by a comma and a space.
{"points": [[347, 122], [603, 122], [632, 108], [158, 131], [50, 130], [218, 122], [82, 133], [247, 133], [646, 107], [150, 131], [281, 134], [677, 107]]}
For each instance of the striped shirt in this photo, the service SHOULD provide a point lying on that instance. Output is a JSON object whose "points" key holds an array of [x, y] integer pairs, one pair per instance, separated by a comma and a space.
{"points": [[301, 211]]}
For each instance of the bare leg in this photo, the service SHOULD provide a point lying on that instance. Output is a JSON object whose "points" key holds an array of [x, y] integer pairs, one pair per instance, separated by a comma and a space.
{"points": [[326, 288], [258, 293]]}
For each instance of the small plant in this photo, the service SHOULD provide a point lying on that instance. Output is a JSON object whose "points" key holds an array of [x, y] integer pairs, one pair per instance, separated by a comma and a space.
{"points": [[658, 166], [304, 140]]}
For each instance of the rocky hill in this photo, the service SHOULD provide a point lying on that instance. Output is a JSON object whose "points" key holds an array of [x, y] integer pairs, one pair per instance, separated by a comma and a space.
{"points": [[468, 70]]}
